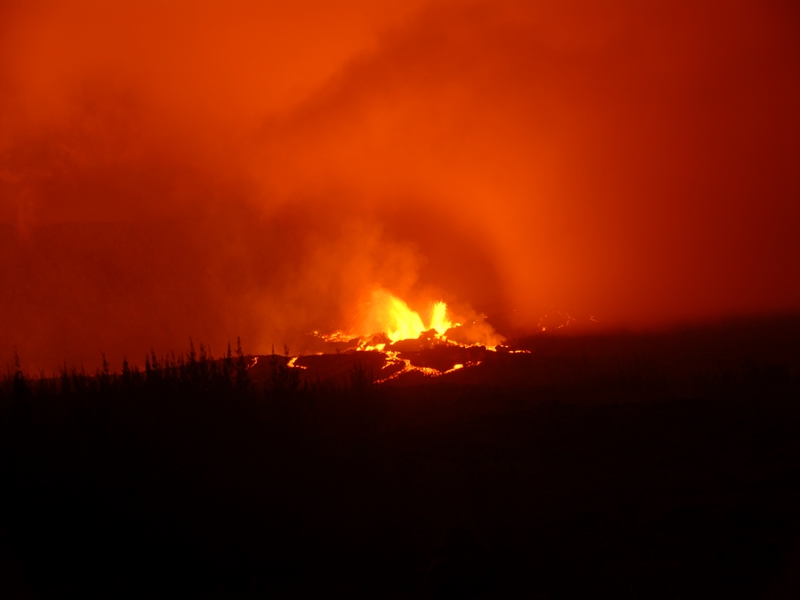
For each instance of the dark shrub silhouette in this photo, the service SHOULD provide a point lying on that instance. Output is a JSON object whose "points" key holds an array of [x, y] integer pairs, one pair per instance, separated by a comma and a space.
{"points": [[598, 467]]}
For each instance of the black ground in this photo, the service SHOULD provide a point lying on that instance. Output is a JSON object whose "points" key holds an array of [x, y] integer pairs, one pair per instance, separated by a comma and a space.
{"points": [[659, 466]]}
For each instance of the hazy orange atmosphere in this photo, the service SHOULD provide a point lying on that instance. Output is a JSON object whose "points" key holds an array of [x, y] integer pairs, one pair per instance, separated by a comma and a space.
{"points": [[219, 169]]}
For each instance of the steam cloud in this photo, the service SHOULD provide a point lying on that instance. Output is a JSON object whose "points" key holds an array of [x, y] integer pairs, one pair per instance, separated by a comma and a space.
{"points": [[211, 170]]}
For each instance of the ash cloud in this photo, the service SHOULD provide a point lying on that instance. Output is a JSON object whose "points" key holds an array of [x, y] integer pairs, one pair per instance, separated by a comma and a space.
{"points": [[194, 170]]}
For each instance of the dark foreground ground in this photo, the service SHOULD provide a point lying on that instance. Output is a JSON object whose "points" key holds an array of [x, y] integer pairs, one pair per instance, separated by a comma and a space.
{"points": [[661, 466]]}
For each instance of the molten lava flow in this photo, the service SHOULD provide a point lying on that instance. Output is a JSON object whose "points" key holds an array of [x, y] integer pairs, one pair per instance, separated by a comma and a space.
{"points": [[385, 324], [394, 358]]}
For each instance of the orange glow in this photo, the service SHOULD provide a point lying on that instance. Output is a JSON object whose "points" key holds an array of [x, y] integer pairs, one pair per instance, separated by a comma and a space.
{"points": [[258, 168]]}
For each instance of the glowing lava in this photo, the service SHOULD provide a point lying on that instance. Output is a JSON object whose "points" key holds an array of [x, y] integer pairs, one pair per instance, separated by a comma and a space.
{"points": [[386, 324], [292, 364], [386, 313], [394, 358], [386, 319]]}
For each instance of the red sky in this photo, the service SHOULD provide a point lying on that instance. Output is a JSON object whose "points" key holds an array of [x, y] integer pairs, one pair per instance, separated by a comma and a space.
{"points": [[210, 169]]}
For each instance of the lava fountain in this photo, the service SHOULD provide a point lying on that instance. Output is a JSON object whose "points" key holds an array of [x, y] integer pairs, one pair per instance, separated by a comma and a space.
{"points": [[385, 319], [390, 315], [397, 340]]}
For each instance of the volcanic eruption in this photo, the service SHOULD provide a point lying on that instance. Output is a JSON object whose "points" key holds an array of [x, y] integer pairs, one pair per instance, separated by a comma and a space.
{"points": [[385, 319], [389, 338]]}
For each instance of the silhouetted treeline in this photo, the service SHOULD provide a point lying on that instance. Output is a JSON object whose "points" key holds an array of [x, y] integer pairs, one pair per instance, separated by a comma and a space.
{"points": [[187, 479], [189, 373], [178, 478]]}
